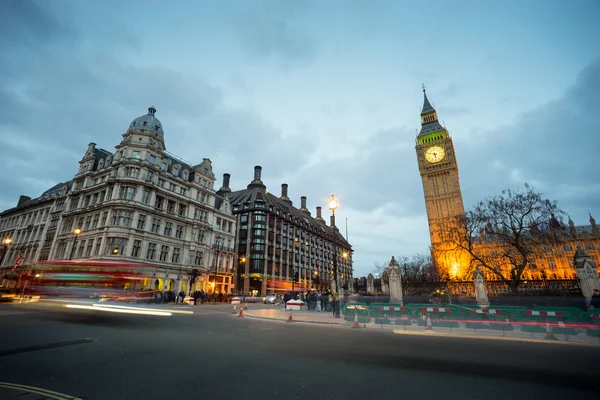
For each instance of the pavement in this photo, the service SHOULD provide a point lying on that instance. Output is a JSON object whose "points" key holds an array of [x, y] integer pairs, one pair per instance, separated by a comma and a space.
{"points": [[327, 318], [49, 351]]}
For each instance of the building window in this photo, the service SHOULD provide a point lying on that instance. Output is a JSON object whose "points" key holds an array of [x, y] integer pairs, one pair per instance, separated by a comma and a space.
{"points": [[98, 245], [159, 202], [164, 166], [122, 218], [161, 182], [589, 246], [90, 247], [137, 155], [104, 218], [151, 253], [127, 193], [73, 204], [145, 197], [152, 159], [164, 252], [168, 227], [132, 172], [141, 222], [171, 207], [60, 249], [149, 175], [179, 232], [116, 246], [198, 258], [176, 254], [182, 210], [88, 222], [135, 251], [567, 247], [155, 225]]}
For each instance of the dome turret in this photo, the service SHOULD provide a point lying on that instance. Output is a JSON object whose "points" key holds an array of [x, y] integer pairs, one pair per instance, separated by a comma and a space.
{"points": [[148, 122]]}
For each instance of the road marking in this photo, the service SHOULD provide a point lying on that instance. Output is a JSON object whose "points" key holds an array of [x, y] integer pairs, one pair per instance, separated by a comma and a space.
{"points": [[40, 391]]}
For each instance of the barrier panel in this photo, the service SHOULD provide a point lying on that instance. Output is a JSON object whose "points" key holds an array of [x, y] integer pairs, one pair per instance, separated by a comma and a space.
{"points": [[489, 319], [593, 322], [438, 317], [551, 322], [390, 314], [363, 312]]}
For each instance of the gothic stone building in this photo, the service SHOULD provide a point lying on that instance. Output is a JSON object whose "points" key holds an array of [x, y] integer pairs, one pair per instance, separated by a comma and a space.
{"points": [[143, 205], [438, 166], [277, 241]]}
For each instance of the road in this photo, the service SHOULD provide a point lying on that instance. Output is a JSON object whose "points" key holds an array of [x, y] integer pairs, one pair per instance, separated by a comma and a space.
{"points": [[214, 355]]}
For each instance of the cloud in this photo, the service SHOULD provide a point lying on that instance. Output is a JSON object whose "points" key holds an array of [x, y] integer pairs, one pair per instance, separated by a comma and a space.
{"points": [[273, 30]]}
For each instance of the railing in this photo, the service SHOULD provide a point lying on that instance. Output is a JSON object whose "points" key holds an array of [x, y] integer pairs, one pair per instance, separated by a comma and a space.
{"points": [[563, 287], [223, 248]]}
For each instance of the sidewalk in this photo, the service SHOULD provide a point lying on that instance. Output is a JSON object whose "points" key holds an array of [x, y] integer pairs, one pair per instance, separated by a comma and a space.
{"points": [[279, 314], [326, 318]]}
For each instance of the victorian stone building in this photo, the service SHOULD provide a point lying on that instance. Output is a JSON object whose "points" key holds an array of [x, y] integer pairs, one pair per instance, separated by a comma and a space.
{"points": [[278, 242], [438, 166], [138, 204]]}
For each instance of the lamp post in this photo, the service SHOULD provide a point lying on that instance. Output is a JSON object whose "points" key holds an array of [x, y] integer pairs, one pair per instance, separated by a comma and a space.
{"points": [[333, 205], [5, 243], [217, 240], [239, 275], [76, 232]]}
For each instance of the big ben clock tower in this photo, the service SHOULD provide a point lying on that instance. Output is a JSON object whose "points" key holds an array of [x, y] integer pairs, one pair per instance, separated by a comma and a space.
{"points": [[443, 198]]}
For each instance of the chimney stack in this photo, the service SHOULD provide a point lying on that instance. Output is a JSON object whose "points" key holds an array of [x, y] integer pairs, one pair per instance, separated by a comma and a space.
{"points": [[303, 202], [23, 199], [319, 217], [333, 221], [257, 173], [284, 189], [225, 186]]}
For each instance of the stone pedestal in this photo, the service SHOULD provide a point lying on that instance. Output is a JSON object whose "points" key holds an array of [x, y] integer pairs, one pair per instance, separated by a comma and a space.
{"points": [[395, 282], [480, 288], [587, 274], [370, 284]]}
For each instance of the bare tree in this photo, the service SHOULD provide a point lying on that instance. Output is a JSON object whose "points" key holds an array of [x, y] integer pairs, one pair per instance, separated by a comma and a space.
{"points": [[502, 233]]}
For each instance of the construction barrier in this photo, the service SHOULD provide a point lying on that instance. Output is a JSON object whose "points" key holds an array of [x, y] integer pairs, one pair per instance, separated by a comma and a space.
{"points": [[438, 317], [390, 314], [489, 319], [550, 322], [363, 312]]}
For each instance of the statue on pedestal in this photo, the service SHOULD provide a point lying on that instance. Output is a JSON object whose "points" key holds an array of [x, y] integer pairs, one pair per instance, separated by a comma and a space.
{"points": [[480, 288]]}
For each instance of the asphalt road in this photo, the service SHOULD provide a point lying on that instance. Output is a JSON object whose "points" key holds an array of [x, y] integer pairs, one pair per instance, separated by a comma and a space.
{"points": [[214, 355]]}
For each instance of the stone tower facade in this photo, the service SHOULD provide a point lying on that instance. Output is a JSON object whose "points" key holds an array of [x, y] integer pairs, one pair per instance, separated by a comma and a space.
{"points": [[443, 198]]}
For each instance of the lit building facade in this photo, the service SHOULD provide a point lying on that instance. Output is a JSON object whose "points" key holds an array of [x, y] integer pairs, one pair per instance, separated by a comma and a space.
{"points": [[144, 205], [443, 201], [277, 241]]}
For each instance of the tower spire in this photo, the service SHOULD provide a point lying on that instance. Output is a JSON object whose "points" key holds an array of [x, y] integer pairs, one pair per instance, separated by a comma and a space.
{"points": [[429, 118]]}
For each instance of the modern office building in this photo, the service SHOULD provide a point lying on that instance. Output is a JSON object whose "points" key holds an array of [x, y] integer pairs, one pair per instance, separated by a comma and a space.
{"points": [[277, 242]]}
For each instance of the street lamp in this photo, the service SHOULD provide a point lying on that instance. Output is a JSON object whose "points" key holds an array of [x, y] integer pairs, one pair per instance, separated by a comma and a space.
{"points": [[76, 232], [217, 240], [333, 205], [5, 243]]}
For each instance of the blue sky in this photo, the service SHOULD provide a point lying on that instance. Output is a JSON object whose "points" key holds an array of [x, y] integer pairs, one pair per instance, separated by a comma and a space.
{"points": [[326, 95]]}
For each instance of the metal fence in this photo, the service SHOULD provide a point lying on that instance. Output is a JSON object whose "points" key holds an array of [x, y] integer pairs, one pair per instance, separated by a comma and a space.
{"points": [[564, 288]]}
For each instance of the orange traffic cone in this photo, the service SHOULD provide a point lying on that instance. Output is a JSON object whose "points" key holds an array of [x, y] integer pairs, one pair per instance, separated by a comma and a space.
{"points": [[429, 327], [549, 333], [290, 317], [241, 312], [355, 324], [234, 309]]}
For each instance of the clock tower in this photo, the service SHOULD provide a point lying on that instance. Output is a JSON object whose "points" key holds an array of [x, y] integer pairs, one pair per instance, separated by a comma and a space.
{"points": [[443, 198]]}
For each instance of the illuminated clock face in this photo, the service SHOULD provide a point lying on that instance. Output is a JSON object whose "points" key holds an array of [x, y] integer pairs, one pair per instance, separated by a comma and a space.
{"points": [[434, 154]]}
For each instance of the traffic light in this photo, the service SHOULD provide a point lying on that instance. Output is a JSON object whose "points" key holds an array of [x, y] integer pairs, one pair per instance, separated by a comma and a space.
{"points": [[194, 275]]}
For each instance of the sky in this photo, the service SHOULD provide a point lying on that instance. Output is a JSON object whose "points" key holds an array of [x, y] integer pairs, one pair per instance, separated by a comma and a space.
{"points": [[324, 95]]}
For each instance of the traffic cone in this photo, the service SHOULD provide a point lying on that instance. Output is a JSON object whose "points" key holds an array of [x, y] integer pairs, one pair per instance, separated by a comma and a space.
{"points": [[241, 312], [290, 317], [355, 324], [429, 327], [549, 333], [234, 309]]}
